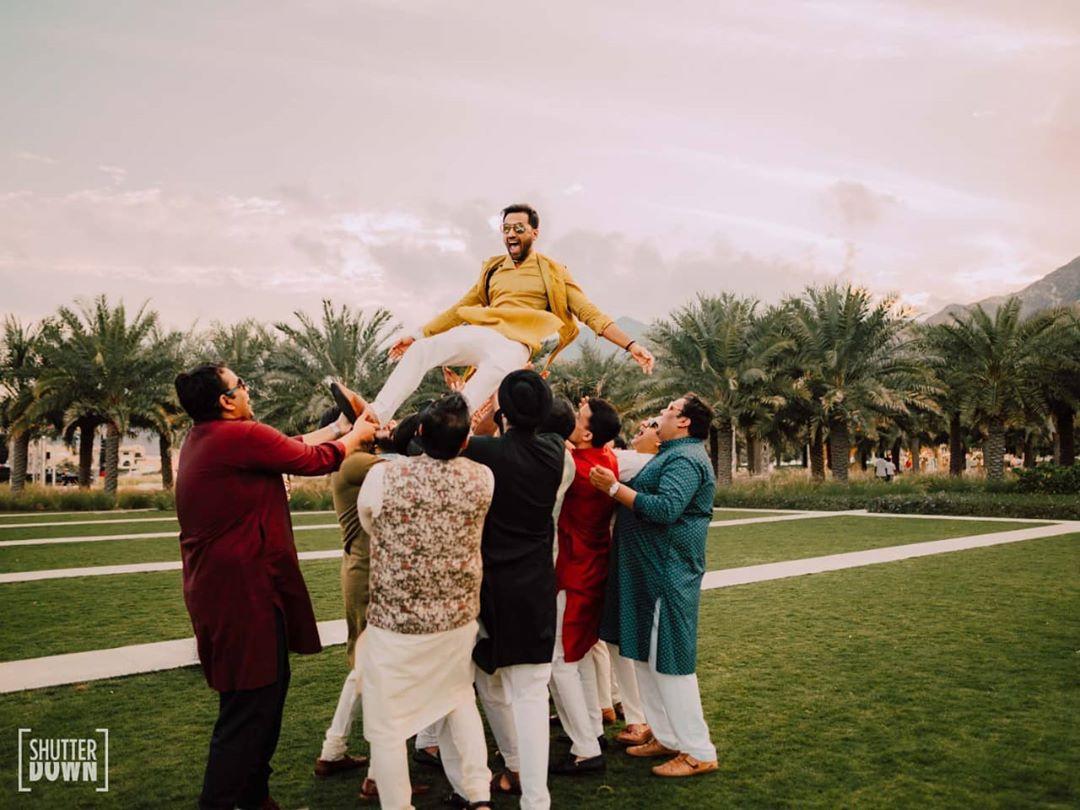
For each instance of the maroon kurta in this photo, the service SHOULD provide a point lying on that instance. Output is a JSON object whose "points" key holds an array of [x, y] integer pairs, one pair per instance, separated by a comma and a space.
{"points": [[581, 569], [237, 546]]}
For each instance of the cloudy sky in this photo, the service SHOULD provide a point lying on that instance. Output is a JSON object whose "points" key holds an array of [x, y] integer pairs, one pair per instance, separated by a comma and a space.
{"points": [[233, 159]]}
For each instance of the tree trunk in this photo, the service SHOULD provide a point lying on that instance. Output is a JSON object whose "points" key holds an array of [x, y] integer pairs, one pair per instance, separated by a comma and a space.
{"points": [[839, 449], [165, 450], [863, 453], [112, 457], [755, 457], [86, 453], [994, 450], [723, 456], [956, 446], [1030, 453], [915, 448], [817, 455], [1064, 436], [805, 456], [19, 455], [713, 449]]}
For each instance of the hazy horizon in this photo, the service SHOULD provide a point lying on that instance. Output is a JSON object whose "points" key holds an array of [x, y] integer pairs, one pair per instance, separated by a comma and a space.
{"points": [[246, 160]]}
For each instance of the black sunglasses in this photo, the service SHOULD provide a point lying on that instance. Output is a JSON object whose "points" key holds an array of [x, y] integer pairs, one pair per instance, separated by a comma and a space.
{"points": [[232, 391]]}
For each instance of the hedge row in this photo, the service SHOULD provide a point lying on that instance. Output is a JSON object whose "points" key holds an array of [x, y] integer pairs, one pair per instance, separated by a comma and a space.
{"points": [[984, 504], [49, 499]]}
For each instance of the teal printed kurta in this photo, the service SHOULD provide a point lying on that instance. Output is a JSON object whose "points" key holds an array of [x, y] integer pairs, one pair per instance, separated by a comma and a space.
{"points": [[659, 553]]}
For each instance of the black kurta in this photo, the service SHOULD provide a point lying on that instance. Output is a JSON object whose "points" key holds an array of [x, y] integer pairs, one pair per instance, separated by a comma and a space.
{"points": [[517, 595]]}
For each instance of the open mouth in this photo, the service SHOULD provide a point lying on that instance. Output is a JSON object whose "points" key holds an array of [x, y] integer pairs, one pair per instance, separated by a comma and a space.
{"points": [[513, 244]]}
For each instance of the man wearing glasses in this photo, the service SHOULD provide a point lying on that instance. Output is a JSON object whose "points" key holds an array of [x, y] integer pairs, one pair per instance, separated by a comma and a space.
{"points": [[521, 298]]}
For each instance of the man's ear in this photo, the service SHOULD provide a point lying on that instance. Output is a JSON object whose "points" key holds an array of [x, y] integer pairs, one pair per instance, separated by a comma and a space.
{"points": [[226, 403]]}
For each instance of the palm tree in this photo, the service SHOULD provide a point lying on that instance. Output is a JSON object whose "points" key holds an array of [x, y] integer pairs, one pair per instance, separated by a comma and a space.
{"points": [[157, 408], [245, 347], [1057, 380], [718, 348], [997, 355], [99, 366], [20, 363], [855, 359], [346, 344]]}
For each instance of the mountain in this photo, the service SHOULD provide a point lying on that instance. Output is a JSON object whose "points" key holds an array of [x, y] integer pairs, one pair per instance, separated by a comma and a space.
{"points": [[634, 328], [1060, 288]]}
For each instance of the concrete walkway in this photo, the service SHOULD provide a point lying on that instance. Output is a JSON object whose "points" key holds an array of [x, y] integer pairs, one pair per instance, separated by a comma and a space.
{"points": [[57, 670], [781, 518]]}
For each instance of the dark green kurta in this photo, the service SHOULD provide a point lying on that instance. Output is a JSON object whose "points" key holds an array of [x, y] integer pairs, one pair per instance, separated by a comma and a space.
{"points": [[659, 553]]}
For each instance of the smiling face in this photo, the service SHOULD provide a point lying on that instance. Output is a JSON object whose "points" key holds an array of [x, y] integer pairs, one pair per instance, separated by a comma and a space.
{"points": [[235, 399], [582, 436], [673, 425], [518, 235], [647, 438]]}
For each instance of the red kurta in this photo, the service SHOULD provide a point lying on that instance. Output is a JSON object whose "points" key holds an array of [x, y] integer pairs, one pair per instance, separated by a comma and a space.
{"points": [[581, 568], [237, 546]]}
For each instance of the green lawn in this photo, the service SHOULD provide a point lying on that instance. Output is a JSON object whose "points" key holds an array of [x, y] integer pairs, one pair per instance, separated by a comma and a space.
{"points": [[90, 613], [67, 517], [122, 552], [753, 544], [150, 523], [947, 681]]}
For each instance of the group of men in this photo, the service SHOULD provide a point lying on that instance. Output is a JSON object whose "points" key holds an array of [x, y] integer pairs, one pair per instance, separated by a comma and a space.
{"points": [[478, 560]]}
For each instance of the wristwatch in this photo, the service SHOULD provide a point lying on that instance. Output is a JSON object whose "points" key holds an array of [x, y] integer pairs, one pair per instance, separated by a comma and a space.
{"points": [[613, 489]]}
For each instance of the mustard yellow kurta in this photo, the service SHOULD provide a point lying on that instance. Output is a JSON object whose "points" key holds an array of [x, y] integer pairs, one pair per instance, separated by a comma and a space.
{"points": [[526, 303]]}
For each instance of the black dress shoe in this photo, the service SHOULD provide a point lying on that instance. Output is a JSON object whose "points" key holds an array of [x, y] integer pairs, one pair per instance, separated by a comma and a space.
{"points": [[603, 742], [571, 766]]}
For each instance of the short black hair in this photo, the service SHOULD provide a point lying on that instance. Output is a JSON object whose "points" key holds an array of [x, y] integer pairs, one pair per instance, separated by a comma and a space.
{"points": [[523, 208], [402, 438], [445, 426], [699, 414], [561, 420], [200, 390], [620, 443], [603, 421]]}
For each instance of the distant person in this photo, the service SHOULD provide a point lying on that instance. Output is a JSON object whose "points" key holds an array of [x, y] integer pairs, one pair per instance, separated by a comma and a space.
{"points": [[520, 299], [660, 533], [881, 469], [425, 516], [243, 588]]}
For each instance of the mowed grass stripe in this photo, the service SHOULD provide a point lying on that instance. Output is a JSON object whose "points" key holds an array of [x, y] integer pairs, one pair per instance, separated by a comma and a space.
{"points": [[912, 684], [736, 546], [124, 531], [125, 552], [116, 610], [31, 518]]}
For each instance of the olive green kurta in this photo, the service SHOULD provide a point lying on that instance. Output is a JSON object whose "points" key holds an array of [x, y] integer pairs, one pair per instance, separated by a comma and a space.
{"points": [[658, 553]]}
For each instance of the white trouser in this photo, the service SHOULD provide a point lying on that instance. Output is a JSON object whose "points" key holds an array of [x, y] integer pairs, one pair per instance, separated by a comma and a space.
{"points": [[573, 688], [337, 736], [673, 705], [626, 675], [429, 737], [493, 355], [606, 690], [516, 705], [463, 750]]}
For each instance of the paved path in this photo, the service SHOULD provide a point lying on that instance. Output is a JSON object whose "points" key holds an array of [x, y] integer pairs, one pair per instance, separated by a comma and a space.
{"points": [[96, 538], [780, 518], [57, 670]]}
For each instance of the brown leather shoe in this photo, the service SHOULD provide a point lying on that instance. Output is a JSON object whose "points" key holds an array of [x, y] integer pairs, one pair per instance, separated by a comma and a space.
{"points": [[329, 767], [348, 401], [369, 791], [634, 734], [652, 748], [609, 716], [685, 765]]}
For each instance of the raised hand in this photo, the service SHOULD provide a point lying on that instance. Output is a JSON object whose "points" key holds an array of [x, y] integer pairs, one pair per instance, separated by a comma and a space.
{"points": [[397, 351], [643, 357]]}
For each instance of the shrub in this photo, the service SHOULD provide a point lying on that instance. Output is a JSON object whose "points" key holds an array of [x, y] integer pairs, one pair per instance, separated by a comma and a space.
{"points": [[1049, 478], [310, 497]]}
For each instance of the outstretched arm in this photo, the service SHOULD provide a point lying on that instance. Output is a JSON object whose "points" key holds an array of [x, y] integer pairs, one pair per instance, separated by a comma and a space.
{"points": [[585, 311]]}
